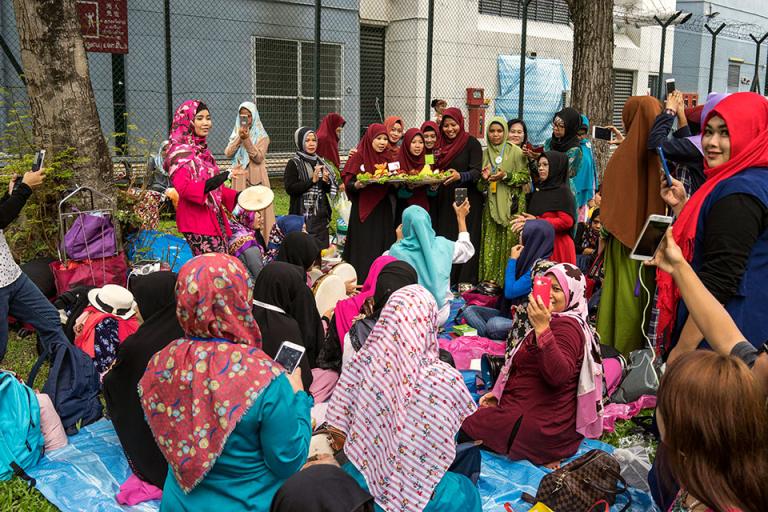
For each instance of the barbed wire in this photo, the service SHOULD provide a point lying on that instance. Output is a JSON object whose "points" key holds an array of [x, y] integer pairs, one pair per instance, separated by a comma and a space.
{"points": [[697, 23]]}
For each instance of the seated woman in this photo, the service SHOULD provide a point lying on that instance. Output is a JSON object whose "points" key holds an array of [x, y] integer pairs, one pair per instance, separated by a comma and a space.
{"points": [[400, 407], [546, 399], [433, 256], [229, 421], [156, 298], [538, 240], [588, 241], [285, 225], [300, 249], [285, 310], [321, 487], [246, 242], [553, 201]]}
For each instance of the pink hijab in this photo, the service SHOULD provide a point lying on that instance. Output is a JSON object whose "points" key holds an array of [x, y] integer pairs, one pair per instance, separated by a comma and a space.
{"points": [[346, 310]]}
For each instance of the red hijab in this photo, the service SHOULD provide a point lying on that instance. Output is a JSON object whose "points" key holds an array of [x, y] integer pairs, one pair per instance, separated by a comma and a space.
{"points": [[392, 147], [409, 162], [450, 148], [328, 139], [427, 126], [746, 116], [365, 160]]}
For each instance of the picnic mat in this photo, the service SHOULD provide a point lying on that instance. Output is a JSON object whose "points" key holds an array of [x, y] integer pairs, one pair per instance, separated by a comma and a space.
{"points": [[86, 475]]}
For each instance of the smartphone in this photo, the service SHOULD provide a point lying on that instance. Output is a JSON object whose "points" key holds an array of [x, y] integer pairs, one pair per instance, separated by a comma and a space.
{"points": [[289, 355], [664, 166], [670, 86], [243, 121], [602, 133], [461, 196], [39, 160], [650, 237], [542, 287]]}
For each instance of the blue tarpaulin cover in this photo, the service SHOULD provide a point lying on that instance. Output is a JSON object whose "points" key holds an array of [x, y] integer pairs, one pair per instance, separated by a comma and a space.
{"points": [[155, 245]]}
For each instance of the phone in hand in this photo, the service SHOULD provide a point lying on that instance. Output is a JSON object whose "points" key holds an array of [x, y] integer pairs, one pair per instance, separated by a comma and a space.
{"points": [[664, 166], [243, 121], [650, 237], [39, 160], [289, 355], [461, 196], [542, 287], [670, 86], [602, 133]]}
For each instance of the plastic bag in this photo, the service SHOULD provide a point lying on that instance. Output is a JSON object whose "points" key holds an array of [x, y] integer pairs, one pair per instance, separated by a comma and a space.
{"points": [[343, 206], [635, 465]]}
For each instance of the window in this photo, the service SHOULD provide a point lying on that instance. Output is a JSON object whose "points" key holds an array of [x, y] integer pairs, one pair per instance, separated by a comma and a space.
{"points": [[653, 84], [549, 11], [284, 86], [734, 75]]}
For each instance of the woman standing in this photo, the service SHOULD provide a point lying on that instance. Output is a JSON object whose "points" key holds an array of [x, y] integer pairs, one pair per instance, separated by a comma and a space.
{"points": [[518, 135], [308, 183], [429, 130], [201, 215], [328, 136], [247, 148], [565, 138], [461, 154], [584, 183], [554, 203], [411, 159], [371, 220], [505, 172], [395, 128]]}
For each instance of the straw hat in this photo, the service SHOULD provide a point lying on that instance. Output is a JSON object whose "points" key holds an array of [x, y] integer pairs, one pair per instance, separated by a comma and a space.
{"points": [[113, 300], [255, 198]]}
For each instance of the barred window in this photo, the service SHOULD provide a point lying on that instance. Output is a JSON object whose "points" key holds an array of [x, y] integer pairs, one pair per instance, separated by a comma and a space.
{"points": [[549, 11], [734, 75], [283, 82]]}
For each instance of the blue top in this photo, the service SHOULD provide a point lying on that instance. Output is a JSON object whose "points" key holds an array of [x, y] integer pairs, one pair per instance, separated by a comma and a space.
{"points": [[269, 444], [455, 492], [515, 288]]}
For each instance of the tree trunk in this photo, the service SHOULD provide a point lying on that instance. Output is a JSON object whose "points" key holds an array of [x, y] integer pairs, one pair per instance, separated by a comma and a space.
{"points": [[59, 88], [592, 84]]}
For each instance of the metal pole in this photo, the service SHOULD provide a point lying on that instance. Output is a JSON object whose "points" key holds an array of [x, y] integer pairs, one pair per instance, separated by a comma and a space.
{"points": [[765, 92], [714, 34], [12, 59], [318, 10], [168, 74], [430, 37], [118, 101], [756, 79], [664, 25], [523, 44]]}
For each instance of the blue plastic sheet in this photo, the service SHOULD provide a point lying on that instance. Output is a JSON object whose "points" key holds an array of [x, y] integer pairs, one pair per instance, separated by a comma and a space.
{"points": [[151, 244], [545, 81]]}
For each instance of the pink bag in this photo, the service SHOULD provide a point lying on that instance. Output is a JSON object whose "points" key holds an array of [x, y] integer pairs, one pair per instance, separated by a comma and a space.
{"points": [[98, 272], [480, 299], [50, 424]]}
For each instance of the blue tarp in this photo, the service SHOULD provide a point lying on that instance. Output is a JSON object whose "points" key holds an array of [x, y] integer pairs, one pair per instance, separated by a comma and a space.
{"points": [[545, 81], [155, 245]]}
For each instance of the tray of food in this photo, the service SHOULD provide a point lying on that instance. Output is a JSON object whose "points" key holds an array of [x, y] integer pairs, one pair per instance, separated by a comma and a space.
{"points": [[427, 176]]}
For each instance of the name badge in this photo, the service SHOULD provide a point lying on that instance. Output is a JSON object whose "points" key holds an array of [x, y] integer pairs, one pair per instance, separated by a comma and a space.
{"points": [[362, 167], [498, 160], [393, 166], [429, 159]]}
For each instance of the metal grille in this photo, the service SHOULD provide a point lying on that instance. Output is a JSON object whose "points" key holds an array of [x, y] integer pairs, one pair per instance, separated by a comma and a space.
{"points": [[372, 69], [734, 76], [623, 87], [548, 11]]}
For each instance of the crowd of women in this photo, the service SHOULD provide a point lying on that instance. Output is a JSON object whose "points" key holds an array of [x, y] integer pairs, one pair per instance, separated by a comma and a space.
{"points": [[205, 413]]}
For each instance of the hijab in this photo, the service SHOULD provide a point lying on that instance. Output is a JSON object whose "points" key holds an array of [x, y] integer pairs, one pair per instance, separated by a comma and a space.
{"points": [[299, 249], [430, 255], [217, 369], [572, 121], [284, 226], [328, 139], [156, 298], [712, 100], [300, 139], [320, 488], [243, 234], [449, 149], [585, 181], [538, 243], [282, 285], [553, 194], [158, 158], [257, 133], [346, 310], [392, 147], [367, 160], [503, 157], [400, 406], [431, 126], [631, 189], [513, 122], [408, 161], [746, 116]]}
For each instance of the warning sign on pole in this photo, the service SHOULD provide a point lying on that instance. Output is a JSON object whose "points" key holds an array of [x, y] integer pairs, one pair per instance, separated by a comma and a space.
{"points": [[104, 25]]}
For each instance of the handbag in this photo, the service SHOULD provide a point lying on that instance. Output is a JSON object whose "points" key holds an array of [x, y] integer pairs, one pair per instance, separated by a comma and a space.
{"points": [[582, 483], [90, 236], [641, 377], [97, 273]]}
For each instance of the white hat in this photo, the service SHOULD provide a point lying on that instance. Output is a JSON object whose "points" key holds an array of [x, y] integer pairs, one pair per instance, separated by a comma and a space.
{"points": [[255, 198], [113, 300]]}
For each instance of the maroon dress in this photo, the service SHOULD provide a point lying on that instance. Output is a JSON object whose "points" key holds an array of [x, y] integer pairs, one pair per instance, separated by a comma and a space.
{"points": [[542, 389]]}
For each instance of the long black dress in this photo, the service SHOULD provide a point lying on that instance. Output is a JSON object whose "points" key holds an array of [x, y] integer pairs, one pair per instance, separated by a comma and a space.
{"points": [[297, 184], [368, 240], [470, 159]]}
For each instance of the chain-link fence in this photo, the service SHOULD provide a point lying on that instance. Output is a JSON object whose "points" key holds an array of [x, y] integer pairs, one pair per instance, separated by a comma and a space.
{"points": [[374, 61]]}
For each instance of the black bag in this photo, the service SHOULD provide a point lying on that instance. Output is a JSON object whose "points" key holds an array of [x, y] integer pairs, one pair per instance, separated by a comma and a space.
{"points": [[73, 303]]}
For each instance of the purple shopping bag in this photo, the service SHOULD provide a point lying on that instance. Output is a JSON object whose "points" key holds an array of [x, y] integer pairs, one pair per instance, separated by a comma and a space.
{"points": [[90, 237]]}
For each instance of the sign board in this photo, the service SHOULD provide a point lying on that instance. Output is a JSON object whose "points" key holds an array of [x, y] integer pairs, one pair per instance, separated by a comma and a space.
{"points": [[104, 25]]}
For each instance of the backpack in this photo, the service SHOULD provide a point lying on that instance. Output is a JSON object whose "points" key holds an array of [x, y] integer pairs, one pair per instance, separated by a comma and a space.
{"points": [[72, 384], [21, 439]]}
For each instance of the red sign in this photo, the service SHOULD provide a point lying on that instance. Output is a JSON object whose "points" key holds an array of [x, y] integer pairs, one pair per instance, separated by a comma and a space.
{"points": [[104, 25]]}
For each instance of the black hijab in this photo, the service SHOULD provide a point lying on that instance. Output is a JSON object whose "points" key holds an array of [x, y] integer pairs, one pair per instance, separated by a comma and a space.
{"points": [[513, 122], [283, 285], [155, 295], [299, 248], [572, 120], [320, 488], [554, 194]]}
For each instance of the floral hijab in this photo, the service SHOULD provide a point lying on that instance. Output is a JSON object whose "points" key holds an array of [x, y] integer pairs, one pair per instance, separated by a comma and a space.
{"points": [[197, 388], [400, 406]]}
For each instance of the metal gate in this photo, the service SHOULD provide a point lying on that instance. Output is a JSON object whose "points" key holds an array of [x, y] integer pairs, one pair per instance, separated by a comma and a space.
{"points": [[371, 75], [623, 88]]}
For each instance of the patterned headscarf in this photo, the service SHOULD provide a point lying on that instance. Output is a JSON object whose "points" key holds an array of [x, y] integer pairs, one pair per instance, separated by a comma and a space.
{"points": [[197, 388], [257, 132], [285, 225], [400, 406]]}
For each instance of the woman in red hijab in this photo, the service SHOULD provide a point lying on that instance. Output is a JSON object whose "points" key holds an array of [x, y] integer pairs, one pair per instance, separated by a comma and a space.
{"points": [[462, 154], [723, 228], [395, 128], [411, 158], [328, 136], [371, 221]]}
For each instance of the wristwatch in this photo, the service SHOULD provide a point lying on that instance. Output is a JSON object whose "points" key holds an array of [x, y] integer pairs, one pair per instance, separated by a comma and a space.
{"points": [[670, 112]]}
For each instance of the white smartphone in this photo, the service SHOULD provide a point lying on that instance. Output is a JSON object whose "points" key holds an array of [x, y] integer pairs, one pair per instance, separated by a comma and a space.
{"points": [[670, 86], [39, 160], [289, 355], [650, 237]]}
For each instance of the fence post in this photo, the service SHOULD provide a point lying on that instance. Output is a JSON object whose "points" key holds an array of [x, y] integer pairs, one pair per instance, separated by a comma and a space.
{"points": [[12, 59], [318, 10], [664, 25], [755, 87], [168, 73], [118, 102], [714, 34], [523, 44], [430, 36]]}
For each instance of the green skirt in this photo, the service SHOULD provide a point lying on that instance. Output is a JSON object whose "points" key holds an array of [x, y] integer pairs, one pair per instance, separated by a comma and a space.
{"points": [[497, 243]]}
